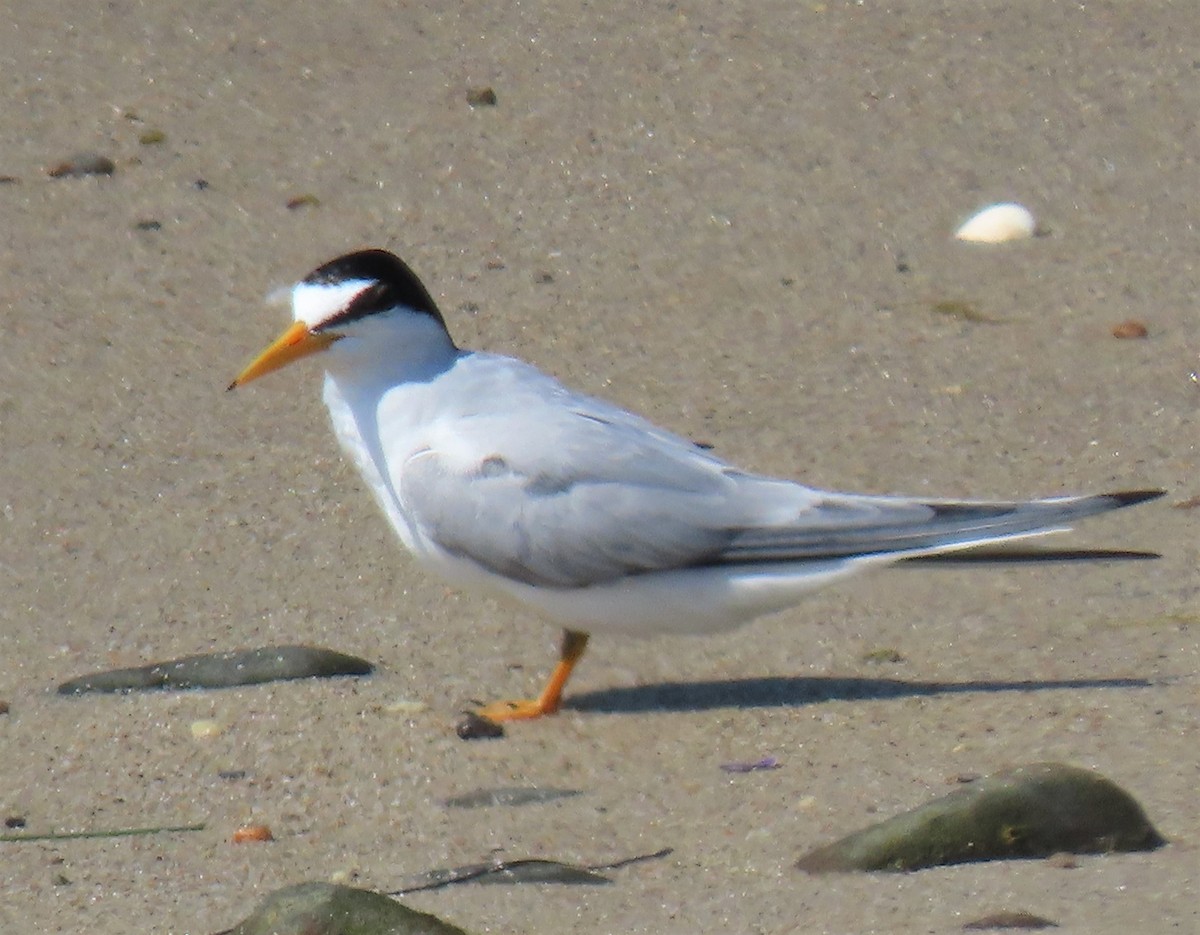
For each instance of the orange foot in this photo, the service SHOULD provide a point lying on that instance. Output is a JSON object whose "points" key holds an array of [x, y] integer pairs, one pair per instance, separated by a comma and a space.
{"points": [[549, 701], [515, 710]]}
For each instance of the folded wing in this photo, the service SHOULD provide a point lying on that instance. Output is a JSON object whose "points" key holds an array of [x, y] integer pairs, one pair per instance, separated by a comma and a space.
{"points": [[598, 497]]}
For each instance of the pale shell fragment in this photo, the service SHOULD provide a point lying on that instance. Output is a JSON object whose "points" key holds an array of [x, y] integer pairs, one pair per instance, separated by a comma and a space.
{"points": [[998, 224], [205, 728], [404, 707]]}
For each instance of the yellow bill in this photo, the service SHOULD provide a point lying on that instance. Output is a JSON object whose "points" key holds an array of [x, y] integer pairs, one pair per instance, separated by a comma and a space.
{"points": [[296, 342]]}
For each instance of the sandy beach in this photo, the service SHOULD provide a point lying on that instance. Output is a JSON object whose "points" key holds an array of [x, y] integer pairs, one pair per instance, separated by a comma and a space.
{"points": [[732, 218]]}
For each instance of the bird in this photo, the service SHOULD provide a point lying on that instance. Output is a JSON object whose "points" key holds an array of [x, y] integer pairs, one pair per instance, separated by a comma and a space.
{"points": [[499, 478]]}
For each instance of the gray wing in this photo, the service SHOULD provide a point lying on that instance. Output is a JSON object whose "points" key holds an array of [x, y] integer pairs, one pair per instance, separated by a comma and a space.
{"points": [[592, 502], [569, 496]]}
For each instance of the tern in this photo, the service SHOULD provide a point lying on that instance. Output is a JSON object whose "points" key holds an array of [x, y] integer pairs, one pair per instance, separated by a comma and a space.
{"points": [[499, 478]]}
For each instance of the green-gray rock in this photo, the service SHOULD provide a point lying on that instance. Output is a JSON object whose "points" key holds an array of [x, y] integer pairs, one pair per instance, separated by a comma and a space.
{"points": [[1030, 811], [1008, 919], [223, 670], [327, 909]]}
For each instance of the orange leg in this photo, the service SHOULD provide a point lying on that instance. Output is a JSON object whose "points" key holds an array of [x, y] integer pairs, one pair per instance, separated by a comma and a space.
{"points": [[548, 702]]}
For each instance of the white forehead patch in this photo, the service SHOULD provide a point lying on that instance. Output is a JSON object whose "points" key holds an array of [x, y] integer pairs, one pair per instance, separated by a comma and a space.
{"points": [[315, 303]]}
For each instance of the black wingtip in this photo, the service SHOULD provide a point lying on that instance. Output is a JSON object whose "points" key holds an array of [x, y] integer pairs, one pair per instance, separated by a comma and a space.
{"points": [[1123, 498], [1007, 555]]}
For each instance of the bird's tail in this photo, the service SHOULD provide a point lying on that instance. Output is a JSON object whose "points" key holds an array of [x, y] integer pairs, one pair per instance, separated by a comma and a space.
{"points": [[897, 528]]}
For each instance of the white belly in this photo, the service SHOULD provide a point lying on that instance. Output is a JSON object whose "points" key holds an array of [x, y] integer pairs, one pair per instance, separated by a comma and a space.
{"points": [[693, 600]]}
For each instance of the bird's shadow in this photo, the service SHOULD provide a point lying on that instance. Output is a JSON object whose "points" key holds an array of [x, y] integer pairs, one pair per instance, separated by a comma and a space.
{"points": [[790, 691]]}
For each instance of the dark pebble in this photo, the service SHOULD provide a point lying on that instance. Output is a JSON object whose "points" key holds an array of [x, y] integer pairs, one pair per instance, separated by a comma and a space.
{"points": [[83, 164], [306, 200], [474, 726], [481, 97]]}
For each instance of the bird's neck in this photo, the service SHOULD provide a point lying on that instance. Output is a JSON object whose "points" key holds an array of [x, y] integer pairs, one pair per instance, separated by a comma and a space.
{"points": [[417, 352]]}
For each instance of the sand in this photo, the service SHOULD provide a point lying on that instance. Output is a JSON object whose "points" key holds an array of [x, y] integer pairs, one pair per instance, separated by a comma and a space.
{"points": [[733, 218]]}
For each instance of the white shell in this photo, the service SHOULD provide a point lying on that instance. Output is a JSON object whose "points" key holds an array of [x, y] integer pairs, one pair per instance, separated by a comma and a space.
{"points": [[205, 728], [998, 224]]}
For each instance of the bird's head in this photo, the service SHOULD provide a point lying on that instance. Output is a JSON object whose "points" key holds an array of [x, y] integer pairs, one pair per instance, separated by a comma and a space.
{"points": [[344, 298]]}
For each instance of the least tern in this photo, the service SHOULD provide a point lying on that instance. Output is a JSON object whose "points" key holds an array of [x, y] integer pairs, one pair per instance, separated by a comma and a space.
{"points": [[498, 477]]}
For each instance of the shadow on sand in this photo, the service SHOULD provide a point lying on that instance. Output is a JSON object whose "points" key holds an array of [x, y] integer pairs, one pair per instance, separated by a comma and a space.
{"points": [[781, 691]]}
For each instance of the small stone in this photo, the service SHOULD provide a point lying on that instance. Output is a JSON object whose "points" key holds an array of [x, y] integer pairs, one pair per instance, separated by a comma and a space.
{"points": [[1130, 328], [83, 164], [481, 97], [307, 200], [475, 726], [252, 834]]}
